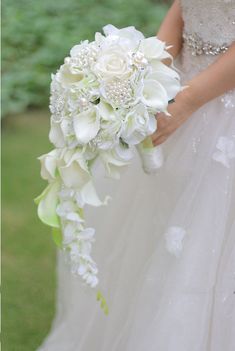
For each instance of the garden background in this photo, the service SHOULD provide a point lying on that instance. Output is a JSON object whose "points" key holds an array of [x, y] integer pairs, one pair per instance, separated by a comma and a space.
{"points": [[36, 36]]}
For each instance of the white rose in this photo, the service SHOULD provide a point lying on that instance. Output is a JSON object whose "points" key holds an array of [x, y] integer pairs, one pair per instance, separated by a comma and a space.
{"points": [[67, 76], [113, 62]]}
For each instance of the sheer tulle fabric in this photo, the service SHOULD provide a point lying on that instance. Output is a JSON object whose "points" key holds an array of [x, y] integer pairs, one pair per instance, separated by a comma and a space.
{"points": [[164, 247]]}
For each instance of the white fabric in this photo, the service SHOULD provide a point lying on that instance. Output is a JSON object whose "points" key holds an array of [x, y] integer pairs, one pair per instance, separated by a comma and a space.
{"points": [[165, 243]]}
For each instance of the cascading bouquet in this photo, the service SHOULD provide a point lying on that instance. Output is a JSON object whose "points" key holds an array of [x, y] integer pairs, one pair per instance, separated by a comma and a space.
{"points": [[103, 102]]}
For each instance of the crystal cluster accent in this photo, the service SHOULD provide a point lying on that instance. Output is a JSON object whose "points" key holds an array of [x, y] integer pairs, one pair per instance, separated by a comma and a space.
{"points": [[57, 102], [84, 58], [139, 60], [199, 47], [118, 92], [56, 108]]}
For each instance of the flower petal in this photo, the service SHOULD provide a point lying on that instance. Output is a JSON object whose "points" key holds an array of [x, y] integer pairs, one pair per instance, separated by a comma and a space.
{"points": [[90, 197], [73, 175], [154, 95], [48, 164], [159, 66], [169, 83], [56, 136], [152, 48], [86, 125]]}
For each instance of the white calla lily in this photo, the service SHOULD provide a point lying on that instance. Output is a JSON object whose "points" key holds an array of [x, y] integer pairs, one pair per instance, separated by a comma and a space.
{"points": [[70, 155], [73, 174], [48, 164], [47, 203], [56, 136], [170, 84], [159, 66], [114, 159], [90, 197], [106, 111], [129, 37], [123, 153], [139, 123], [86, 125], [152, 48], [154, 95]]}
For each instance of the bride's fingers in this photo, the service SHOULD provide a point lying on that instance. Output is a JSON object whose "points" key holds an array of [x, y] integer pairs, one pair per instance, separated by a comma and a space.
{"points": [[159, 140], [156, 135]]}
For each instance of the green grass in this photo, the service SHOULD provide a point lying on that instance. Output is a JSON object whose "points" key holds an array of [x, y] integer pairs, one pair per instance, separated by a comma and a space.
{"points": [[28, 259]]}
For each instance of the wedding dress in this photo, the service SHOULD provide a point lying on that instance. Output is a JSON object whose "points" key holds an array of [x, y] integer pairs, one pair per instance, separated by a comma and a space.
{"points": [[165, 244]]}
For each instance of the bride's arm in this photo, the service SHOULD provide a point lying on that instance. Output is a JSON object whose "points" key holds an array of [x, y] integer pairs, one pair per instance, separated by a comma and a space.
{"points": [[212, 82], [171, 29], [218, 78]]}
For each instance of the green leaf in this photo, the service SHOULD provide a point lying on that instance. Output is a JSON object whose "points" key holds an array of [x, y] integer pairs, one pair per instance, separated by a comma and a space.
{"points": [[57, 237], [103, 303]]}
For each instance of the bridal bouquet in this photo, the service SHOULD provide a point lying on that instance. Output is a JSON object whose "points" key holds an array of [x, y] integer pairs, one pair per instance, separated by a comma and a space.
{"points": [[103, 102]]}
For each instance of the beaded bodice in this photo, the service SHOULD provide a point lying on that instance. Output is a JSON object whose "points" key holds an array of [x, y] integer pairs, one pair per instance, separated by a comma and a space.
{"points": [[209, 29], [211, 20]]}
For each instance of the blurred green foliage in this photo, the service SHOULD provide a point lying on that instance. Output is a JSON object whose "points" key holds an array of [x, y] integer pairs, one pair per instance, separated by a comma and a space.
{"points": [[28, 251], [37, 35]]}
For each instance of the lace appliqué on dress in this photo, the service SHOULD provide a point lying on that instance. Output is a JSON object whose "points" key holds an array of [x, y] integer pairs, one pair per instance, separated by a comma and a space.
{"points": [[174, 240], [225, 151]]}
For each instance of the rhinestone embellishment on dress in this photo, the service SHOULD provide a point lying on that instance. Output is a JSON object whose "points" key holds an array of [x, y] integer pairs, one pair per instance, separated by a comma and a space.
{"points": [[199, 47]]}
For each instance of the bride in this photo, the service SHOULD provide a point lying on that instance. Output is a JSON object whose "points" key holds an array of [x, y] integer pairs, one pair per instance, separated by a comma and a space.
{"points": [[165, 243]]}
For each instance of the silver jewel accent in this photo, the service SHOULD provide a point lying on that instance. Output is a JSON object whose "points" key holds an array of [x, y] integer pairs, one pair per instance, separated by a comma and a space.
{"points": [[200, 47]]}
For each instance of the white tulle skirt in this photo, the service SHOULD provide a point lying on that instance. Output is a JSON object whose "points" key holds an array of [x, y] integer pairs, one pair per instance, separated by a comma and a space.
{"points": [[164, 247]]}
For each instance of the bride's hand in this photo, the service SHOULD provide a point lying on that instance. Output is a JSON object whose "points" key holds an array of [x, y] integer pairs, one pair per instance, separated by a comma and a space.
{"points": [[180, 111], [212, 82]]}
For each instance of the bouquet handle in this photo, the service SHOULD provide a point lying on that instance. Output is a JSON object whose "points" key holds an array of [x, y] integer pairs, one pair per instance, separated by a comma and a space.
{"points": [[151, 156]]}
